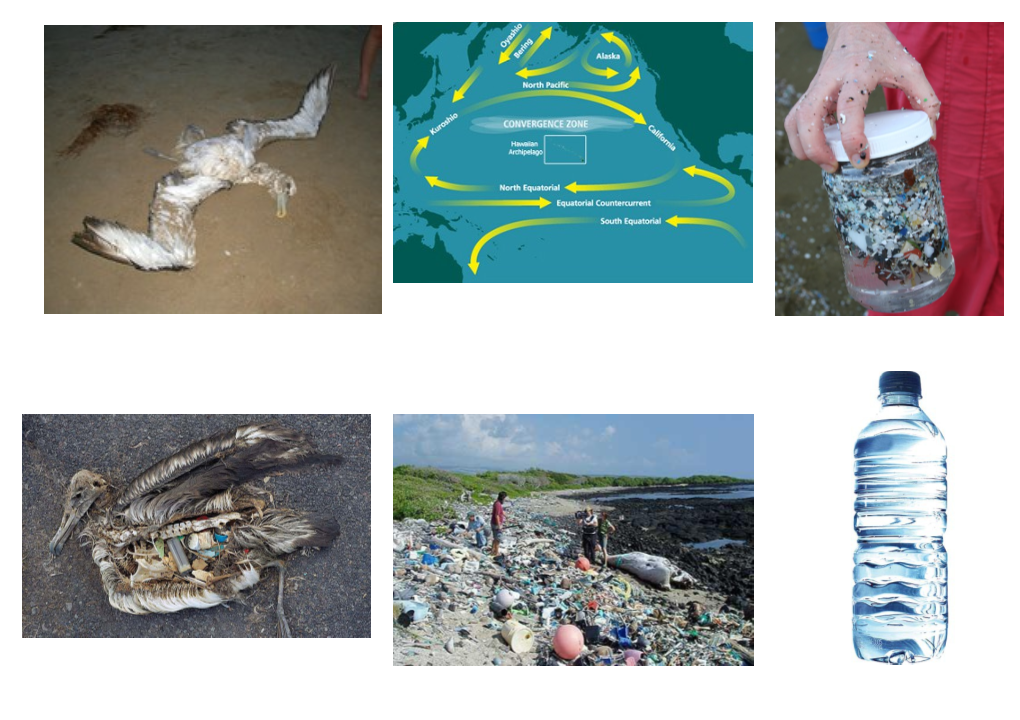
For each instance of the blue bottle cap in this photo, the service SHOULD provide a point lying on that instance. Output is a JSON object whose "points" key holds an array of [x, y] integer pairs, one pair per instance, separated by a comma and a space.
{"points": [[899, 381]]}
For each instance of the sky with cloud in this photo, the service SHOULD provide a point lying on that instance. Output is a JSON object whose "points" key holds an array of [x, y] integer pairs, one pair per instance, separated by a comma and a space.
{"points": [[657, 445]]}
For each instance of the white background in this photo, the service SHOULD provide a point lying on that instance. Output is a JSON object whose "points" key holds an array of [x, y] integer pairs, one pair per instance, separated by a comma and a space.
{"points": [[541, 348], [805, 539]]}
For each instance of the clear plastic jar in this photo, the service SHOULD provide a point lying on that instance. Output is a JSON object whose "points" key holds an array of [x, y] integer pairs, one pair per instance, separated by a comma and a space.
{"points": [[890, 215]]}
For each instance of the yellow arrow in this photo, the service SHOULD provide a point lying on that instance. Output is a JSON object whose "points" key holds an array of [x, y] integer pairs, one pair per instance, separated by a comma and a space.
{"points": [[575, 188], [422, 144], [505, 55], [623, 46], [637, 117], [678, 221], [525, 73], [606, 73], [541, 202], [436, 182], [692, 171], [514, 226], [545, 35], [634, 77], [459, 94]]}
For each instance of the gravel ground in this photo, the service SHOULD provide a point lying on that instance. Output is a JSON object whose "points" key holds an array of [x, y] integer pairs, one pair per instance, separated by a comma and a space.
{"points": [[327, 591], [665, 528]]}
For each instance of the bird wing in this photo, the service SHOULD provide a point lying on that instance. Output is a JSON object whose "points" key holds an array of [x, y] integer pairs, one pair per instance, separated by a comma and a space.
{"points": [[172, 213], [200, 484], [286, 444], [302, 124], [170, 244], [279, 531]]}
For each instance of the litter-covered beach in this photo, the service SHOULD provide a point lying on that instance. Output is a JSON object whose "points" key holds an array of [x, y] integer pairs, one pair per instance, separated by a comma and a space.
{"points": [[541, 602]]}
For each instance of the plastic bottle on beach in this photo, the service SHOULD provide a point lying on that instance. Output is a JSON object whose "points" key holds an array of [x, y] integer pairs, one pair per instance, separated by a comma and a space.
{"points": [[900, 590]]}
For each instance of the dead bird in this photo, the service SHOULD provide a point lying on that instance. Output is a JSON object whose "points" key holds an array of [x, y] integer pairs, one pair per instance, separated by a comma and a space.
{"points": [[208, 495], [120, 120], [207, 165]]}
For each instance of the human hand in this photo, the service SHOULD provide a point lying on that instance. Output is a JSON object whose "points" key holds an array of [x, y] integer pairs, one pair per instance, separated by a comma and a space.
{"points": [[857, 58]]}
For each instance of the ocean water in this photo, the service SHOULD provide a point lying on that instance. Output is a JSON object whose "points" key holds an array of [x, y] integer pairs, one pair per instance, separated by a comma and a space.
{"points": [[731, 492], [473, 145]]}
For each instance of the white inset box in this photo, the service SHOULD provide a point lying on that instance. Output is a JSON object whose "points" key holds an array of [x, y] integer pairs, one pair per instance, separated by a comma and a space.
{"points": [[565, 149]]}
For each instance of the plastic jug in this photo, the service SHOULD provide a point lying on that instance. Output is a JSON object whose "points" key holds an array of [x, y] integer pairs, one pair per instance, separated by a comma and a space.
{"points": [[890, 215]]}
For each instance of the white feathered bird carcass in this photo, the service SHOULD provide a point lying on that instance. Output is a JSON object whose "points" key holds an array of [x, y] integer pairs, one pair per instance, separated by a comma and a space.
{"points": [[206, 166]]}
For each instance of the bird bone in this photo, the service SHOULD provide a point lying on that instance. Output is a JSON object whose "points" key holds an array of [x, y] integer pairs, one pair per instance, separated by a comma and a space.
{"points": [[190, 526]]}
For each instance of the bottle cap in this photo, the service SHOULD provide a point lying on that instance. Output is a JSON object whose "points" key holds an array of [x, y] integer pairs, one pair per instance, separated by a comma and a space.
{"points": [[888, 133], [899, 381]]}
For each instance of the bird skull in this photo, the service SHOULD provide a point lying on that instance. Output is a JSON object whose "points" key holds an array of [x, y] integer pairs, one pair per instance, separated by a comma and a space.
{"points": [[84, 489]]}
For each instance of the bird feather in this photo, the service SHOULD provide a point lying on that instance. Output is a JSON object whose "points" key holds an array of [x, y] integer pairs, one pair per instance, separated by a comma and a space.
{"points": [[302, 124], [286, 443]]}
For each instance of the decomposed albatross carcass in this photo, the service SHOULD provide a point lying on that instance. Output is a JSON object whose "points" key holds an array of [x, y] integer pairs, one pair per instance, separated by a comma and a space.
{"points": [[206, 166], [198, 528]]}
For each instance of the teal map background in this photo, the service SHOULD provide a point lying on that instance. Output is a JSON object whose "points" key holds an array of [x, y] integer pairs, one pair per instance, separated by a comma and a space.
{"points": [[695, 87]]}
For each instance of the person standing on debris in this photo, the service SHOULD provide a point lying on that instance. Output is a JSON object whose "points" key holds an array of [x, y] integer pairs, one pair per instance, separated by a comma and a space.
{"points": [[605, 527], [476, 526], [589, 537], [498, 518]]}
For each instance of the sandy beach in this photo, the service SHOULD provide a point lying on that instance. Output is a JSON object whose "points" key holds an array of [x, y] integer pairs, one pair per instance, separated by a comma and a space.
{"points": [[324, 257]]}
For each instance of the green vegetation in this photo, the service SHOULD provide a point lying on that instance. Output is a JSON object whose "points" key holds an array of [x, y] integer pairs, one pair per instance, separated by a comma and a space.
{"points": [[425, 492]]}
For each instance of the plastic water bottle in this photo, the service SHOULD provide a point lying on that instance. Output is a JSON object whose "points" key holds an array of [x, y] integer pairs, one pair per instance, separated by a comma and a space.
{"points": [[900, 590]]}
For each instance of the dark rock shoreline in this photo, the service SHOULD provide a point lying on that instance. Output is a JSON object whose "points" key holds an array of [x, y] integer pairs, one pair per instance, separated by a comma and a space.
{"points": [[669, 527]]}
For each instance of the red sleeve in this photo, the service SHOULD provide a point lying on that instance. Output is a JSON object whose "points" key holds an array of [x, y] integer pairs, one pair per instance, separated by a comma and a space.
{"points": [[964, 64]]}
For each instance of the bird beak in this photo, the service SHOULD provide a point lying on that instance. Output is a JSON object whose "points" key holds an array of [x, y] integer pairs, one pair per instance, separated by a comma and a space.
{"points": [[79, 500], [67, 526]]}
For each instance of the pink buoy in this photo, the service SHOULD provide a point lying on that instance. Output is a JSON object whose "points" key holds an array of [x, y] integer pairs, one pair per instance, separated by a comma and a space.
{"points": [[568, 642], [583, 564]]}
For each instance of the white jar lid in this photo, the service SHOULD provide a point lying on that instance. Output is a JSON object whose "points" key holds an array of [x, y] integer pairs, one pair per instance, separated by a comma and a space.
{"points": [[888, 133]]}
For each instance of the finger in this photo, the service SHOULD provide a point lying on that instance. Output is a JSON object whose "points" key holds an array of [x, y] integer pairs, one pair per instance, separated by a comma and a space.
{"points": [[811, 129], [919, 92], [828, 111], [922, 97], [791, 133], [853, 100]]}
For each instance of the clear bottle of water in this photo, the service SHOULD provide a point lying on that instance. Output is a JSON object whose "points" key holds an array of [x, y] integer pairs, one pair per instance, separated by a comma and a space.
{"points": [[900, 590]]}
